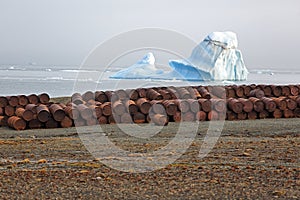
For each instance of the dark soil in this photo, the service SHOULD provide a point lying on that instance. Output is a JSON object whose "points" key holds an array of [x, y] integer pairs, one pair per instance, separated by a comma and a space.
{"points": [[251, 160]]}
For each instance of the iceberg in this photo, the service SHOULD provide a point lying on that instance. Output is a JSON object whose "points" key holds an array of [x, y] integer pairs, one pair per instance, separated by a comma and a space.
{"points": [[215, 58], [143, 69]]}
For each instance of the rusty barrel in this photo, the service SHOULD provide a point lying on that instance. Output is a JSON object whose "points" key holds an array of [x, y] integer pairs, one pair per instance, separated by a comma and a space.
{"points": [[143, 105], [170, 106], [35, 124], [97, 111], [9, 110], [203, 92], [132, 94], [183, 105], [27, 115], [57, 112], [118, 107], [217, 91], [201, 116], [242, 115], [13, 101], [77, 99], [31, 107], [205, 104], [131, 106], [230, 115], [121, 94], [194, 93], [286, 91], [93, 109], [276, 90], [139, 118], [239, 91], [252, 115], [258, 93], [80, 122], [247, 104], [160, 120], [85, 112], [291, 104], [142, 92], [263, 114], [88, 95], [43, 113], [106, 108], [23, 100], [1, 111], [126, 118], [270, 105], [247, 90], [287, 113], [177, 117], [258, 105], [3, 101], [277, 113], [51, 123], [267, 90], [72, 111], [165, 93], [33, 99], [153, 94], [183, 93], [280, 102], [100, 96], [3, 120], [109, 95], [16, 123], [213, 115], [235, 105], [102, 120], [188, 116], [230, 92], [219, 105], [295, 91], [66, 122], [44, 98], [157, 107], [194, 105]]}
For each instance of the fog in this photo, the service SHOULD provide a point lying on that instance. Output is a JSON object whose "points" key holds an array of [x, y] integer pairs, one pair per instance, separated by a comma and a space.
{"points": [[55, 32]]}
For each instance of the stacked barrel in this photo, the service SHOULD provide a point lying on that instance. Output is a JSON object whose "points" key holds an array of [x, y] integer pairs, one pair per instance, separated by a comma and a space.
{"points": [[262, 101], [148, 105], [158, 105], [32, 111]]}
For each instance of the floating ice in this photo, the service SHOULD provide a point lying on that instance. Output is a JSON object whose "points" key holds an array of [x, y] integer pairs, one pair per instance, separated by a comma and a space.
{"points": [[144, 68], [215, 58]]}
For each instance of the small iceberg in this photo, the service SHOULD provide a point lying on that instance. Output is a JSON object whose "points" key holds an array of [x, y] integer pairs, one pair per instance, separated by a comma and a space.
{"points": [[215, 58], [143, 69]]}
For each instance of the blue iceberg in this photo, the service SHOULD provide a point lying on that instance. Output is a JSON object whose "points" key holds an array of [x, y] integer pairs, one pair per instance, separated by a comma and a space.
{"points": [[143, 69], [215, 58]]}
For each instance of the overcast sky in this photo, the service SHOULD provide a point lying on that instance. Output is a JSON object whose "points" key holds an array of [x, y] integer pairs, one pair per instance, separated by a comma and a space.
{"points": [[63, 32]]}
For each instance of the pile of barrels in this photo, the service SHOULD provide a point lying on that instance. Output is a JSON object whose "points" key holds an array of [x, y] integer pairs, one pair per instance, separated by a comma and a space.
{"points": [[32, 112], [158, 105]]}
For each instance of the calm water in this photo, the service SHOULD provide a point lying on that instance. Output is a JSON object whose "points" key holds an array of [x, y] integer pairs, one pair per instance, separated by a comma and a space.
{"points": [[65, 80]]}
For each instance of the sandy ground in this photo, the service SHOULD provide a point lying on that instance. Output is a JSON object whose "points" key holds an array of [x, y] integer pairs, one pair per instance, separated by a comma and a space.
{"points": [[251, 160]]}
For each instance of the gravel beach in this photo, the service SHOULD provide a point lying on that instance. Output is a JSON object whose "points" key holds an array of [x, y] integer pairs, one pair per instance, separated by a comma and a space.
{"points": [[253, 159]]}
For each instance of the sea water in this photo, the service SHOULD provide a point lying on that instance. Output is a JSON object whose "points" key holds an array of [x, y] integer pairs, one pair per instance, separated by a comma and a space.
{"points": [[65, 80]]}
